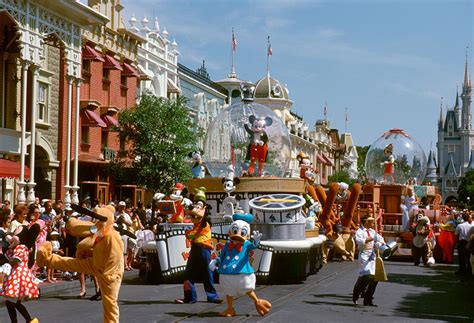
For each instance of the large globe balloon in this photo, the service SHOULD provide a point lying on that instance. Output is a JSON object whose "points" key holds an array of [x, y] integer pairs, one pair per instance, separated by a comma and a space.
{"points": [[228, 140], [395, 154]]}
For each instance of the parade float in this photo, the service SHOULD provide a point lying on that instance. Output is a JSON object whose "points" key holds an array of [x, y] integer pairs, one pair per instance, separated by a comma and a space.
{"points": [[396, 165], [247, 154]]}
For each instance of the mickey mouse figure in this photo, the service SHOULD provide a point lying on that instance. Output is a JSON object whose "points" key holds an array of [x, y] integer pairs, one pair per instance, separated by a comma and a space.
{"points": [[197, 169], [257, 150], [237, 277], [306, 171]]}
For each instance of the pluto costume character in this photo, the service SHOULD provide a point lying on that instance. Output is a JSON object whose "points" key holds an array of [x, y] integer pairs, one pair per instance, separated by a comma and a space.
{"points": [[100, 253], [237, 276]]}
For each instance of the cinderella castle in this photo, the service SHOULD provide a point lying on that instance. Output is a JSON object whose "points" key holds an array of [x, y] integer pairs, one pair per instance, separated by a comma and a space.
{"points": [[455, 143]]}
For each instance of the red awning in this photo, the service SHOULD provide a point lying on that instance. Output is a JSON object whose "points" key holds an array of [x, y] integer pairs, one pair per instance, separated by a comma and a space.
{"points": [[129, 70], [328, 161], [11, 169], [320, 159], [89, 52], [111, 62], [91, 119], [110, 121]]}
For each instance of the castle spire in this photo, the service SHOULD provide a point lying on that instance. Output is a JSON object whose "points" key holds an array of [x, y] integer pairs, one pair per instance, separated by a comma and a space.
{"points": [[456, 103], [467, 81], [441, 119]]}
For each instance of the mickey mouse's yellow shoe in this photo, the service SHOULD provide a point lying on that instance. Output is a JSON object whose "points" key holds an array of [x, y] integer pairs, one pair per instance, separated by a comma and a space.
{"points": [[35, 320]]}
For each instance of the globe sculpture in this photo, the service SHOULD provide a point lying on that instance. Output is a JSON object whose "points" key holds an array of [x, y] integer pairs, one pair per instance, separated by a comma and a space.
{"points": [[395, 158], [227, 146]]}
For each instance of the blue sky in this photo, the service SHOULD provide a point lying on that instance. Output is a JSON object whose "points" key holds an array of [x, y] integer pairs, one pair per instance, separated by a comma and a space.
{"points": [[388, 61]]}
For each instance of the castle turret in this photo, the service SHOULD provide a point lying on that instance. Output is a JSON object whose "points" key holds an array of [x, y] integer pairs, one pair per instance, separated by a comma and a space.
{"points": [[431, 168], [466, 123]]}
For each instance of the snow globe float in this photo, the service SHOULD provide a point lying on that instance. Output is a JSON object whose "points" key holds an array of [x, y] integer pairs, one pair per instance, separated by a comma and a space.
{"points": [[395, 158], [250, 138]]}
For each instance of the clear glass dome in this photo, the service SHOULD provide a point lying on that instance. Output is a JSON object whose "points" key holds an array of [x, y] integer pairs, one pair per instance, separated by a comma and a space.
{"points": [[228, 141], [395, 153]]}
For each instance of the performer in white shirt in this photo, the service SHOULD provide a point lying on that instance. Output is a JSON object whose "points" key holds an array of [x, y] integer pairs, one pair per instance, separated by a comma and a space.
{"points": [[366, 238], [463, 232]]}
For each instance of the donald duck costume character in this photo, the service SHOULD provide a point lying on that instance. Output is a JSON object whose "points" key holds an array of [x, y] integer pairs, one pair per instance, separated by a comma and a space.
{"points": [[237, 276]]}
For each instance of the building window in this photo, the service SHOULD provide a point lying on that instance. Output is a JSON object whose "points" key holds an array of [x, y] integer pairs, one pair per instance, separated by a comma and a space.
{"points": [[123, 81], [451, 149], [85, 135], [86, 65], [105, 138], [42, 113], [106, 74]]}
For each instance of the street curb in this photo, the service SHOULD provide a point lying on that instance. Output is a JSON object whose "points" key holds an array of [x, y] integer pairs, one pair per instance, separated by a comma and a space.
{"points": [[47, 289]]}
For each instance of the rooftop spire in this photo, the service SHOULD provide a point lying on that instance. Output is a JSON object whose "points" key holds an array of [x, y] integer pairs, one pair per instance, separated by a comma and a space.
{"points": [[441, 119], [456, 103], [467, 82]]}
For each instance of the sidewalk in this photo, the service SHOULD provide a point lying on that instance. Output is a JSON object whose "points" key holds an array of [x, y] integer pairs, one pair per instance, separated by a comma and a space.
{"points": [[62, 285]]}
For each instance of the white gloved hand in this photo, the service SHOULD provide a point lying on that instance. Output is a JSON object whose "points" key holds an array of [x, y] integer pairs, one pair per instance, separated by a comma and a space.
{"points": [[256, 237], [213, 264], [187, 202], [158, 196]]}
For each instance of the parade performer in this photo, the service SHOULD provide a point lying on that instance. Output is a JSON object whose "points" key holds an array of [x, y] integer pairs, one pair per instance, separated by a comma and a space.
{"points": [[421, 248], [197, 169], [388, 164], [180, 202], [100, 254], [306, 170], [237, 276], [197, 267], [366, 237], [257, 149], [19, 283]]}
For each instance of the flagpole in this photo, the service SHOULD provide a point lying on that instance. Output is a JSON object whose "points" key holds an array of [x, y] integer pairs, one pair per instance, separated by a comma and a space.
{"points": [[232, 70], [345, 127], [268, 56]]}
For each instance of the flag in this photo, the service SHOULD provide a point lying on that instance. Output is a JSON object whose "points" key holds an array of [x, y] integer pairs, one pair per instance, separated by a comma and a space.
{"points": [[270, 51], [234, 41]]}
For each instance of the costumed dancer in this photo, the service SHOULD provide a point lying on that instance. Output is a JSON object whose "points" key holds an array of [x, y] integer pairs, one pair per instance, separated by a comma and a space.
{"points": [[257, 149], [197, 267], [366, 237], [388, 164], [446, 241], [100, 254], [237, 276], [408, 203], [19, 283], [197, 169], [421, 246]]}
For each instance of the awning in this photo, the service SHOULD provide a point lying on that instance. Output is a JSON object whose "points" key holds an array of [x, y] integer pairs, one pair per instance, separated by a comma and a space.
{"points": [[144, 75], [91, 119], [110, 121], [11, 169], [321, 159], [111, 62], [129, 70], [328, 161], [90, 53], [172, 88]]}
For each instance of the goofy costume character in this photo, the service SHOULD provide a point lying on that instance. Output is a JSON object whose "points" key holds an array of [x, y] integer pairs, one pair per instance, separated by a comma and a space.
{"points": [[197, 267]]}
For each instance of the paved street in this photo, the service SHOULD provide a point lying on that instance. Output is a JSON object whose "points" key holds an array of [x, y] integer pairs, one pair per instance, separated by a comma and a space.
{"points": [[412, 294]]}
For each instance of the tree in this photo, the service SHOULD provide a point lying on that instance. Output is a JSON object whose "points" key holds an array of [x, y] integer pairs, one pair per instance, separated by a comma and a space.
{"points": [[341, 176], [466, 189], [362, 153], [159, 134]]}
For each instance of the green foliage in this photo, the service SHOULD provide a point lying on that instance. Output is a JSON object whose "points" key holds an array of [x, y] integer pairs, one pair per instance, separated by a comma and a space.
{"points": [[466, 189], [362, 153], [342, 176], [159, 135]]}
